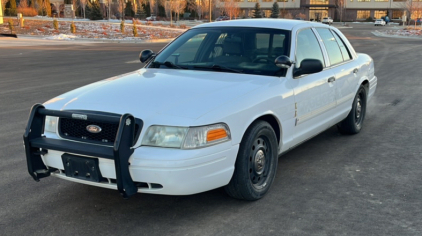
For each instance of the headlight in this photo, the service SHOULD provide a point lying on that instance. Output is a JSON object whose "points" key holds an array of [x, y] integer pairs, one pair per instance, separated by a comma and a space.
{"points": [[50, 124], [164, 136], [186, 138]]}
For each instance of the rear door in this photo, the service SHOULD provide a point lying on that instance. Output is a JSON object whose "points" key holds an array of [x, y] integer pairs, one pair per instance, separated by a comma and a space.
{"points": [[344, 70]]}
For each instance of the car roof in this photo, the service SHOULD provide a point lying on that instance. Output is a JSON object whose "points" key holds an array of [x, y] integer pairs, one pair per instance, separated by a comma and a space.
{"points": [[285, 24]]}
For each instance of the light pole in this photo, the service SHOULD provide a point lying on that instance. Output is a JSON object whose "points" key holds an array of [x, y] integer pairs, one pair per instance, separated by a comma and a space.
{"points": [[210, 12], [1, 13], [345, 10]]}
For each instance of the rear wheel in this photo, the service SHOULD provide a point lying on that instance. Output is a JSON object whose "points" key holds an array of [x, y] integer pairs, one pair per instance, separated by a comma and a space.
{"points": [[354, 121], [256, 163]]}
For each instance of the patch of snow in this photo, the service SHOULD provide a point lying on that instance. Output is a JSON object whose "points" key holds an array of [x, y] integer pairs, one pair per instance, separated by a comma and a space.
{"points": [[362, 22], [45, 17], [62, 37], [407, 33]]}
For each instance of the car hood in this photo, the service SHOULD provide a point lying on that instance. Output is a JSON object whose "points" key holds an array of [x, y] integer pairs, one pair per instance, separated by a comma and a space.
{"points": [[148, 92]]}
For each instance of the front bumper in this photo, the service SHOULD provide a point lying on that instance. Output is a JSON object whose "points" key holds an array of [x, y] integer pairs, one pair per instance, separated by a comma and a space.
{"points": [[164, 170], [122, 167]]}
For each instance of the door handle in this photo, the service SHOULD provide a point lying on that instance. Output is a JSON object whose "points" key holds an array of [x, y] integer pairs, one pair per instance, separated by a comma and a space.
{"points": [[355, 70], [331, 79]]}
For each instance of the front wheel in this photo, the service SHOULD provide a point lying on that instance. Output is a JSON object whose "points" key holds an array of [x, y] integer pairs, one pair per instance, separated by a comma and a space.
{"points": [[354, 121], [256, 163]]}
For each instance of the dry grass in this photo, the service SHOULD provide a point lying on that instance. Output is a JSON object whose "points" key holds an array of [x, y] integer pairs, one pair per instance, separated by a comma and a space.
{"points": [[87, 30]]}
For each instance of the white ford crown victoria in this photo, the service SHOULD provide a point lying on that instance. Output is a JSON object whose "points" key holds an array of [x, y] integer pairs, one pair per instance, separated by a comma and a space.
{"points": [[215, 107]]}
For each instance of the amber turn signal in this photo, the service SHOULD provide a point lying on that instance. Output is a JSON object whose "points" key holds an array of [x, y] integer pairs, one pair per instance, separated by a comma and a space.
{"points": [[216, 134]]}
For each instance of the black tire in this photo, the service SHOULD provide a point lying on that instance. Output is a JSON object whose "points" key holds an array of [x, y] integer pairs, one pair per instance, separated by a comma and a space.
{"points": [[256, 163], [354, 121]]}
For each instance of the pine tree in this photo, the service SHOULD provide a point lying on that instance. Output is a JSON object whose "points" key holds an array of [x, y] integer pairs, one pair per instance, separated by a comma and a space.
{"points": [[11, 26], [129, 9], [257, 11], [122, 26], [72, 27], [55, 24], [275, 12], [93, 11], [140, 11], [10, 8], [135, 29]]}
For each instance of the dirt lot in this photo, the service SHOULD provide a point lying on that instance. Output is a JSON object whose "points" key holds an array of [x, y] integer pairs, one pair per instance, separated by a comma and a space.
{"points": [[100, 30]]}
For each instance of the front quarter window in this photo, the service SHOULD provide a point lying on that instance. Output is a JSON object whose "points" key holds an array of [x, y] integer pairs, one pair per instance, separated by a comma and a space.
{"points": [[245, 50]]}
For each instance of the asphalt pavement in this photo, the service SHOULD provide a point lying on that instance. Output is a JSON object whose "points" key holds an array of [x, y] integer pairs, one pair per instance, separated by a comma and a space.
{"points": [[334, 184]]}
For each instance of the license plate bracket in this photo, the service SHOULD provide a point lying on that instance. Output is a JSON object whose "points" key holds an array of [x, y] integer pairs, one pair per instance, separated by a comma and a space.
{"points": [[84, 168]]}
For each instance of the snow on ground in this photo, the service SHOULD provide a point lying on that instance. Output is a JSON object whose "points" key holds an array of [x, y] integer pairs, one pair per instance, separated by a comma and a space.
{"points": [[406, 32], [62, 37], [370, 22]]}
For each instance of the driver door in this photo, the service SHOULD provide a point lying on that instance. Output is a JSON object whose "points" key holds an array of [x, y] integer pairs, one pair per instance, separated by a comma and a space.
{"points": [[315, 99]]}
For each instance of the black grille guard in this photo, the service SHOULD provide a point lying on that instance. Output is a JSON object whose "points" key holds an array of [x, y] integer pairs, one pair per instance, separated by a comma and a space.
{"points": [[36, 145]]}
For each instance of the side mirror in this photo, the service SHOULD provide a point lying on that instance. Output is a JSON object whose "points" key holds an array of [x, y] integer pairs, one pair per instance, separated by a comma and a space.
{"points": [[145, 55], [283, 62], [308, 66]]}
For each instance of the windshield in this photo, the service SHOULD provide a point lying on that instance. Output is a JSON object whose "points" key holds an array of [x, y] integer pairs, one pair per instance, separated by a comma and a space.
{"points": [[227, 49]]}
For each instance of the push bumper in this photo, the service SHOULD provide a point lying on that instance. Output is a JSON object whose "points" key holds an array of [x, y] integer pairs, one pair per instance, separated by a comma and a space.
{"points": [[37, 145], [129, 170]]}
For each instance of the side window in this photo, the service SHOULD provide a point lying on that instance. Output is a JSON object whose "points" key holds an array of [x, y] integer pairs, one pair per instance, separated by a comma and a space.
{"points": [[278, 45], [333, 49], [262, 41], [264, 48], [344, 51], [218, 47], [307, 47], [278, 41]]}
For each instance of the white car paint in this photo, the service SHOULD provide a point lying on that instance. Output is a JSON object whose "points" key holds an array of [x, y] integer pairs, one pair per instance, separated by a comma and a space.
{"points": [[380, 22], [303, 107], [327, 20]]}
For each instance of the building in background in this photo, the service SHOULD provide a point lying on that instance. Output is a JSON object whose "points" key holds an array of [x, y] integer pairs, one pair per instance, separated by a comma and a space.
{"points": [[348, 10]]}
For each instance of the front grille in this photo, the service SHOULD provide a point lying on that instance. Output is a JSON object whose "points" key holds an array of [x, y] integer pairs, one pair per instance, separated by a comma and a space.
{"points": [[76, 130]]}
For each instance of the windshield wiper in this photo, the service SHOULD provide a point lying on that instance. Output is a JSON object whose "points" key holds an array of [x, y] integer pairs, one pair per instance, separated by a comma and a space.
{"points": [[169, 64], [219, 68]]}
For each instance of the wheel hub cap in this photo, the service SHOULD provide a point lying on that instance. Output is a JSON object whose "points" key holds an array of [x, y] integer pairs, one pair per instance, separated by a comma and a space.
{"points": [[259, 162], [358, 108]]}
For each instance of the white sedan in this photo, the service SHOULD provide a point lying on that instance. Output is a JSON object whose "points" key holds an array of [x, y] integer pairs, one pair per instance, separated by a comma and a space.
{"points": [[327, 20], [380, 22], [214, 108]]}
